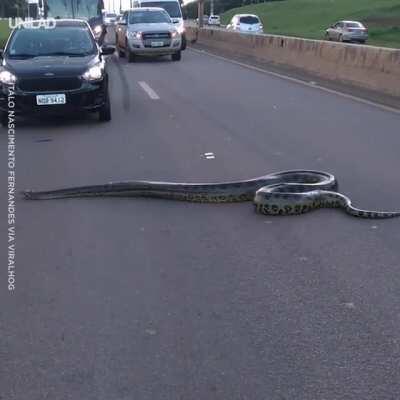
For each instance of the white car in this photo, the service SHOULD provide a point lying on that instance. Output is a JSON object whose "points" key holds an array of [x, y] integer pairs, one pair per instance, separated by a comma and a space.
{"points": [[148, 31], [214, 20], [172, 7], [246, 23]]}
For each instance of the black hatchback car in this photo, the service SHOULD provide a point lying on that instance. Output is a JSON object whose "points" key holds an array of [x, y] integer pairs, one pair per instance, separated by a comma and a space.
{"points": [[54, 69]]}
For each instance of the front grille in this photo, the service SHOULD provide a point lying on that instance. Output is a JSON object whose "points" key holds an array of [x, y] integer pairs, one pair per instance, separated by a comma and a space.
{"points": [[49, 84], [156, 35]]}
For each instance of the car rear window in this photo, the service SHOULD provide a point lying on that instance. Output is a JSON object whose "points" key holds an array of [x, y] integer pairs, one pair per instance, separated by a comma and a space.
{"points": [[353, 25], [171, 7], [249, 20]]}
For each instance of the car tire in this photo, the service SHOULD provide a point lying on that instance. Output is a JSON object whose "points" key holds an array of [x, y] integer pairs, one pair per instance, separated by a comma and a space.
{"points": [[341, 38], [184, 42], [177, 56], [327, 37], [105, 110], [3, 119]]}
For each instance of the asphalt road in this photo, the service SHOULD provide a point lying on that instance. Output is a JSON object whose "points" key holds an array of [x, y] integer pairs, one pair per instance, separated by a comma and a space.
{"points": [[140, 299]]}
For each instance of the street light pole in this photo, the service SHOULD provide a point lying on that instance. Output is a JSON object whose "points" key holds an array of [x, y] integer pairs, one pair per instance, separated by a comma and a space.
{"points": [[200, 12]]}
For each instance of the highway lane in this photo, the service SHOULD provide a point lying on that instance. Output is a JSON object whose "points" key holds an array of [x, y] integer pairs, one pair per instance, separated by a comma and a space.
{"points": [[151, 299]]}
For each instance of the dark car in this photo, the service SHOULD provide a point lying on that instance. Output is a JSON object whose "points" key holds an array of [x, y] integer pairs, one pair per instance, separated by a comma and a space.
{"points": [[54, 70]]}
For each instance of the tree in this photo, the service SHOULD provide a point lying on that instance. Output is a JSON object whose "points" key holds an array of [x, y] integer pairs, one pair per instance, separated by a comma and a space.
{"points": [[13, 8]]}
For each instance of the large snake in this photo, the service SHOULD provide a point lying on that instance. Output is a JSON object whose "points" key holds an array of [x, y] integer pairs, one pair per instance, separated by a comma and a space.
{"points": [[281, 193]]}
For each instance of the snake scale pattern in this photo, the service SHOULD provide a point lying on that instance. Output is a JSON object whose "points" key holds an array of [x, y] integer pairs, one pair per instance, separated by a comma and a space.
{"points": [[282, 193]]}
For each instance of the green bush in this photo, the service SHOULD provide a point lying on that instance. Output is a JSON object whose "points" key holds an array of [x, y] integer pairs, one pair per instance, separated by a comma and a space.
{"points": [[4, 32]]}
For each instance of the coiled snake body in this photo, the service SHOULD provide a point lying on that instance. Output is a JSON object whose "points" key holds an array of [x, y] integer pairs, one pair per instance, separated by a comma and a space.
{"points": [[281, 193]]}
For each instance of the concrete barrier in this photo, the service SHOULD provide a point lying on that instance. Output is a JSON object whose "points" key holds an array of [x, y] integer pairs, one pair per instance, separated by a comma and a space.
{"points": [[369, 67]]}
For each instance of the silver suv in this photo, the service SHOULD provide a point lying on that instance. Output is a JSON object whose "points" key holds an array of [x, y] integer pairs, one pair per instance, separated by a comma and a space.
{"points": [[148, 31]]}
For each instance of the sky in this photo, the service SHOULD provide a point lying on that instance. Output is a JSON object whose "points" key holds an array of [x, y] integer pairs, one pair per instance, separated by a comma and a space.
{"points": [[114, 5]]}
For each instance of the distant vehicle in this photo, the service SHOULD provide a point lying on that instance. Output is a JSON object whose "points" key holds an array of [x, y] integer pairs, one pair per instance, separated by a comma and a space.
{"points": [[110, 18], [88, 10], [347, 31], [148, 32], [245, 23], [205, 20], [173, 8], [55, 71], [214, 20]]}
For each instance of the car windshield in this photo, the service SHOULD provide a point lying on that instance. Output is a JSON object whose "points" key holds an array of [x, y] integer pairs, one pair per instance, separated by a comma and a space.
{"points": [[72, 41], [171, 7], [149, 17], [249, 20]]}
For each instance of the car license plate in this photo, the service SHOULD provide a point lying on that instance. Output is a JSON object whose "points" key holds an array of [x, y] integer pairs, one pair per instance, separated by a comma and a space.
{"points": [[157, 44], [50, 99]]}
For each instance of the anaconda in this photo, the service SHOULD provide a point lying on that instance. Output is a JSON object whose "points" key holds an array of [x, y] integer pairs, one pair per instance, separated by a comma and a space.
{"points": [[282, 193]]}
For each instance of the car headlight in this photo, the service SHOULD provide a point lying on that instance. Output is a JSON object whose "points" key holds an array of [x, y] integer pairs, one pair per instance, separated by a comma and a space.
{"points": [[174, 34], [94, 73], [135, 35], [181, 28], [7, 78], [98, 29]]}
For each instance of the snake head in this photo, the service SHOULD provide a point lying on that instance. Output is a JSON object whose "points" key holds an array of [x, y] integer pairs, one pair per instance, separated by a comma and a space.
{"points": [[27, 194]]}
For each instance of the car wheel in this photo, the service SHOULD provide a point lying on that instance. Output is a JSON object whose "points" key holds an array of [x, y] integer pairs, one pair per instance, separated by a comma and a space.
{"points": [[3, 119], [176, 56], [183, 46], [327, 37], [105, 110], [341, 38]]}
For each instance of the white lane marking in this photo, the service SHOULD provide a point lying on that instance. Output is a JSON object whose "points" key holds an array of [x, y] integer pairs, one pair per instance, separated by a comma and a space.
{"points": [[350, 306], [152, 94], [299, 81], [209, 156]]}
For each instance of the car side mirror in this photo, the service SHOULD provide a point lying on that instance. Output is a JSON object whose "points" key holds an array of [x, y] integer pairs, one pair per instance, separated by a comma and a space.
{"points": [[107, 50]]}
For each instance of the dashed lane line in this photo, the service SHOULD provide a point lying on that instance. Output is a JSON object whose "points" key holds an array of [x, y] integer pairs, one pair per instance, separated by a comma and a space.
{"points": [[151, 93]]}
